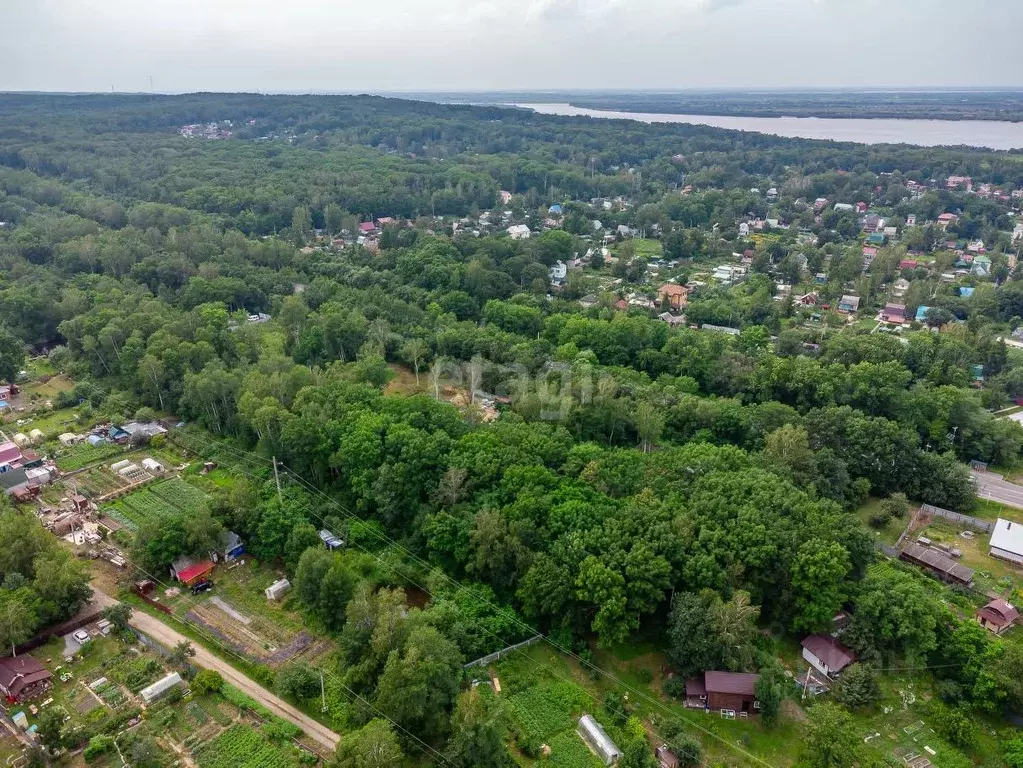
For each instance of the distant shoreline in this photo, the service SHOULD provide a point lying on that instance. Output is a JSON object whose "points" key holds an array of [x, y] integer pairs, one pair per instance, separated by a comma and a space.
{"points": [[668, 109]]}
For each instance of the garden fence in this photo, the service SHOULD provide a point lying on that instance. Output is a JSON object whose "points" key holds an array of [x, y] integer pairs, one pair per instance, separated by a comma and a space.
{"points": [[503, 652]]}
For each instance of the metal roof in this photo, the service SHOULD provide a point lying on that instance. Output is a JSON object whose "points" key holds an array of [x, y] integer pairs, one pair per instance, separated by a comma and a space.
{"points": [[1008, 535], [830, 651], [938, 562]]}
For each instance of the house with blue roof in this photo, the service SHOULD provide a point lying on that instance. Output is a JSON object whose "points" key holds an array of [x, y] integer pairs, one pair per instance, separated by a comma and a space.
{"points": [[966, 291], [554, 210], [921, 314]]}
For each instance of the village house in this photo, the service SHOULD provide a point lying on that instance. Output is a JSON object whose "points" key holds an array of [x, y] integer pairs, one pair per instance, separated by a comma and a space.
{"points": [[981, 266], [728, 692], [893, 313], [672, 295], [231, 548], [23, 678], [728, 274], [518, 232], [997, 616], [189, 572], [557, 273], [947, 218], [665, 757], [826, 654], [1007, 541], [849, 304], [811, 299], [674, 321], [899, 287]]}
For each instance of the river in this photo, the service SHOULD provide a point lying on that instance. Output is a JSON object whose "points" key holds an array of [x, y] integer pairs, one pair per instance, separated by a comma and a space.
{"points": [[992, 134]]}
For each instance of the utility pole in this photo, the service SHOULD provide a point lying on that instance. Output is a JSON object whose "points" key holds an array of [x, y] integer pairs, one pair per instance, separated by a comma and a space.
{"points": [[323, 695], [277, 478]]}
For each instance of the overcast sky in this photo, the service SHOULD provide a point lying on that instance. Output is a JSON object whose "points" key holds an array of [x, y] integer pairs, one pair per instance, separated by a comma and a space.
{"points": [[401, 45]]}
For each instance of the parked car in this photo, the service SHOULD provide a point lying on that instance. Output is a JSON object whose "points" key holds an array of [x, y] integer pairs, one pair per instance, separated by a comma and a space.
{"points": [[202, 586], [81, 636]]}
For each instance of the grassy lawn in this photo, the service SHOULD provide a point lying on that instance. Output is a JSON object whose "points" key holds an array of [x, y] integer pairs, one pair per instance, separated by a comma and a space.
{"points": [[890, 533], [53, 423], [991, 574], [992, 510], [648, 249]]}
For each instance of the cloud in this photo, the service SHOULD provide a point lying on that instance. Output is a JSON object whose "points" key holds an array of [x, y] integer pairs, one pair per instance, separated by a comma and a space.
{"points": [[367, 45]]}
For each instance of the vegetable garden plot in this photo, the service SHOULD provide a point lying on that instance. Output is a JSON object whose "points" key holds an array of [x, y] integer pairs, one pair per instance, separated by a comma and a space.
{"points": [[568, 751], [159, 500], [241, 746]]}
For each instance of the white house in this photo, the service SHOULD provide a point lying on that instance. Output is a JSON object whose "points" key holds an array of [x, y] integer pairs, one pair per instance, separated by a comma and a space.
{"points": [[826, 654], [727, 274], [1007, 541], [744, 229], [518, 231], [558, 272]]}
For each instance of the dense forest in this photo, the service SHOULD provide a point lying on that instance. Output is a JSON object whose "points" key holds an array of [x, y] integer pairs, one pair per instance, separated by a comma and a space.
{"points": [[594, 462]]}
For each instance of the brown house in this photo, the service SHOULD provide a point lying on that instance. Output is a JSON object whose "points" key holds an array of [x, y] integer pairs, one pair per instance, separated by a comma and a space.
{"points": [[673, 295], [730, 692], [23, 678], [998, 616]]}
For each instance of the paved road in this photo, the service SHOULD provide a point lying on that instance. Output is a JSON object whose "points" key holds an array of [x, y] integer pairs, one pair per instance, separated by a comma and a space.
{"points": [[994, 487], [168, 637]]}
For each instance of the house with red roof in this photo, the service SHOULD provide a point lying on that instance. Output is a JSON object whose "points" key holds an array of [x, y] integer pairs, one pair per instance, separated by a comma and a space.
{"points": [[23, 678], [189, 572], [893, 313], [997, 616], [367, 227], [10, 456]]}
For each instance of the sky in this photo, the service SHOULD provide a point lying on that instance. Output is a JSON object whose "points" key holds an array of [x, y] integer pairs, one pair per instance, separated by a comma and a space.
{"points": [[359, 46]]}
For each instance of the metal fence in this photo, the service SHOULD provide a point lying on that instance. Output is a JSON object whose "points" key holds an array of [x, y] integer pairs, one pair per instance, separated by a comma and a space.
{"points": [[503, 652], [970, 522]]}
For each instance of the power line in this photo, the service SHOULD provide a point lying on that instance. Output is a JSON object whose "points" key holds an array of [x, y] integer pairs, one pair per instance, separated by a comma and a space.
{"points": [[504, 641], [253, 458], [203, 632]]}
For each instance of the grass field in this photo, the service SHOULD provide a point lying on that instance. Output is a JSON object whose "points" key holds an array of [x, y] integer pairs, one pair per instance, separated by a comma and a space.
{"points": [[890, 533], [162, 499], [648, 249]]}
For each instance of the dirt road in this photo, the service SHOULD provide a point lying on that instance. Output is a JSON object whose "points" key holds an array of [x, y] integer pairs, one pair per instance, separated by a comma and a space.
{"points": [[168, 637]]}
